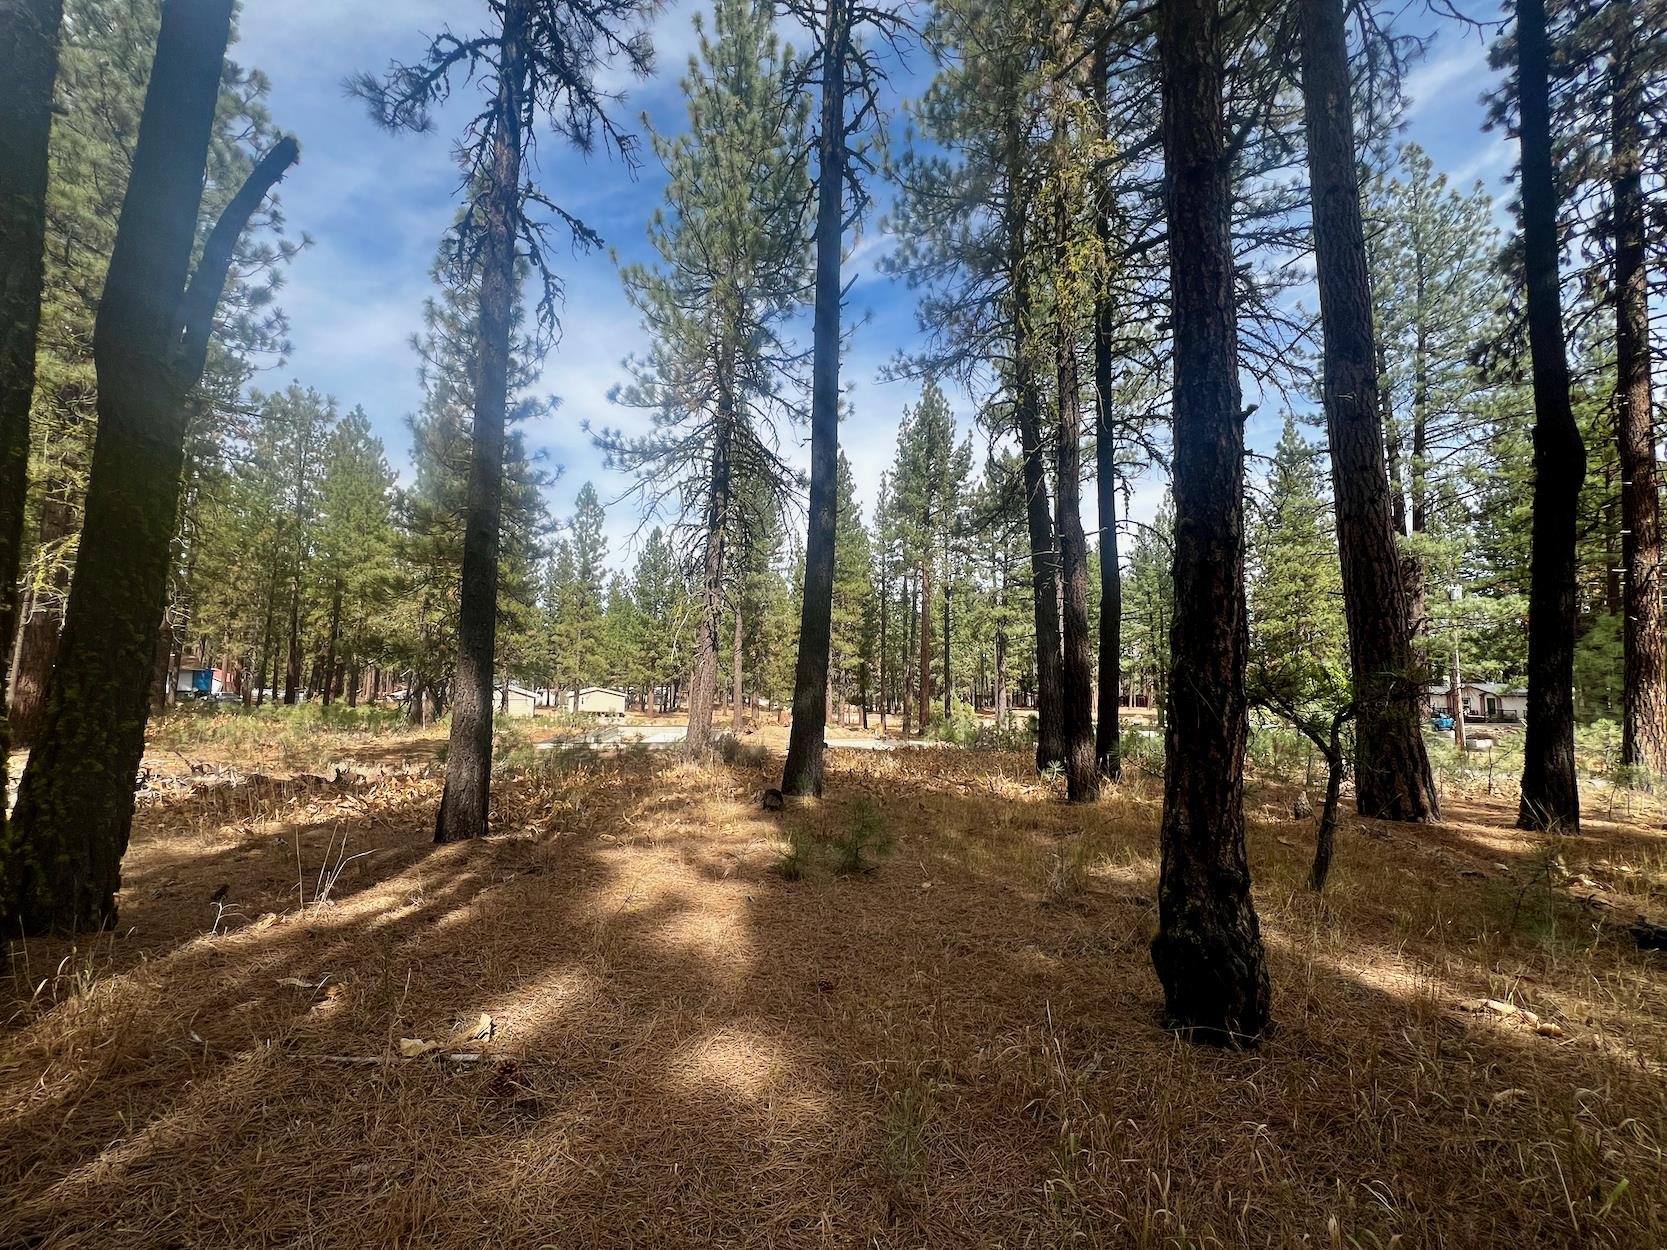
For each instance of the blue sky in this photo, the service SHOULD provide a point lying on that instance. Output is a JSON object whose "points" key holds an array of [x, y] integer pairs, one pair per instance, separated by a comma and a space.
{"points": [[375, 205]]}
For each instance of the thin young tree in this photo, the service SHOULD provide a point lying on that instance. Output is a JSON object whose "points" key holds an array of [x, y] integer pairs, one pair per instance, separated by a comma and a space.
{"points": [[540, 62], [1208, 950], [1392, 771], [60, 864], [1550, 793], [25, 128]]}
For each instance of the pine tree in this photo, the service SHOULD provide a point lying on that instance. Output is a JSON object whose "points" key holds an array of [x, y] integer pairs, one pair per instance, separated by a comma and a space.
{"points": [[1392, 772], [1208, 950], [853, 591], [732, 270], [577, 577], [1550, 793], [851, 74], [543, 61], [62, 854], [928, 482], [1298, 665], [25, 126], [355, 545]]}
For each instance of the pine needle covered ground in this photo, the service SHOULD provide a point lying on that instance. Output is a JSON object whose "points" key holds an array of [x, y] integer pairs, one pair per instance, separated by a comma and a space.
{"points": [[649, 1013]]}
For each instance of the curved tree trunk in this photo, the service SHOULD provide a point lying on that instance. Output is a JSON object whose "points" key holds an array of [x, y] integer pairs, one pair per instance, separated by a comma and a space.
{"points": [[25, 133], [1208, 951], [802, 773], [1392, 769], [62, 866], [465, 803], [1644, 632], [1550, 793]]}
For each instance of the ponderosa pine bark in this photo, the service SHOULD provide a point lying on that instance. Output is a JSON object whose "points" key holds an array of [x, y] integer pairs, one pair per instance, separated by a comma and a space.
{"points": [[1208, 952], [1550, 792], [25, 133], [61, 863], [465, 803], [1644, 629], [737, 677], [37, 637], [802, 773], [1082, 769], [703, 675], [1027, 415], [925, 691], [1392, 769], [1108, 742]]}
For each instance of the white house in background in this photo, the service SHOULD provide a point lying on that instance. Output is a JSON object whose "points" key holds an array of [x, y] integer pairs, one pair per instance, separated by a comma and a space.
{"points": [[516, 700], [597, 701], [1483, 701]]}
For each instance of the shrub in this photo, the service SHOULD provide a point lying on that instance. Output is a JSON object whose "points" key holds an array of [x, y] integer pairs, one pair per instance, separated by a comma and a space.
{"points": [[867, 833], [731, 750]]}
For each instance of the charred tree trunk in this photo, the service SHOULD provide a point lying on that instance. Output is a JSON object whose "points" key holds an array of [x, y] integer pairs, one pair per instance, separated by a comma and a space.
{"points": [[465, 802], [1392, 770], [802, 773], [62, 863], [1644, 631], [1550, 793], [25, 130], [1208, 951]]}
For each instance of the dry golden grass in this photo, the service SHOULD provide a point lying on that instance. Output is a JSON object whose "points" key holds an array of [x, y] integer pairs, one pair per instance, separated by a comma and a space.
{"points": [[958, 1048]]}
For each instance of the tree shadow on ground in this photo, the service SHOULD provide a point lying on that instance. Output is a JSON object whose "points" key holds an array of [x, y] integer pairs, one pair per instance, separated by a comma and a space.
{"points": [[959, 1047]]}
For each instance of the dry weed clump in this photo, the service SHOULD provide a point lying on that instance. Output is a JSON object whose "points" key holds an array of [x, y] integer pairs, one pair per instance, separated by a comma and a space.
{"points": [[614, 1023]]}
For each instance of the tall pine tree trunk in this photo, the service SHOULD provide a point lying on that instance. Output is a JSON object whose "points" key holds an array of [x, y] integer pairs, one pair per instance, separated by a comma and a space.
{"points": [[1108, 743], [802, 773], [61, 863], [1208, 951], [736, 674], [292, 662], [465, 803], [1550, 793], [38, 635], [1644, 691], [703, 678], [1044, 569], [25, 131], [334, 640], [925, 644], [1392, 770], [1082, 769], [948, 679]]}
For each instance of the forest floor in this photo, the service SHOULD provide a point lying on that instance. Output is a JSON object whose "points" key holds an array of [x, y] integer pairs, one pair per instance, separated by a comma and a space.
{"points": [[649, 1013]]}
